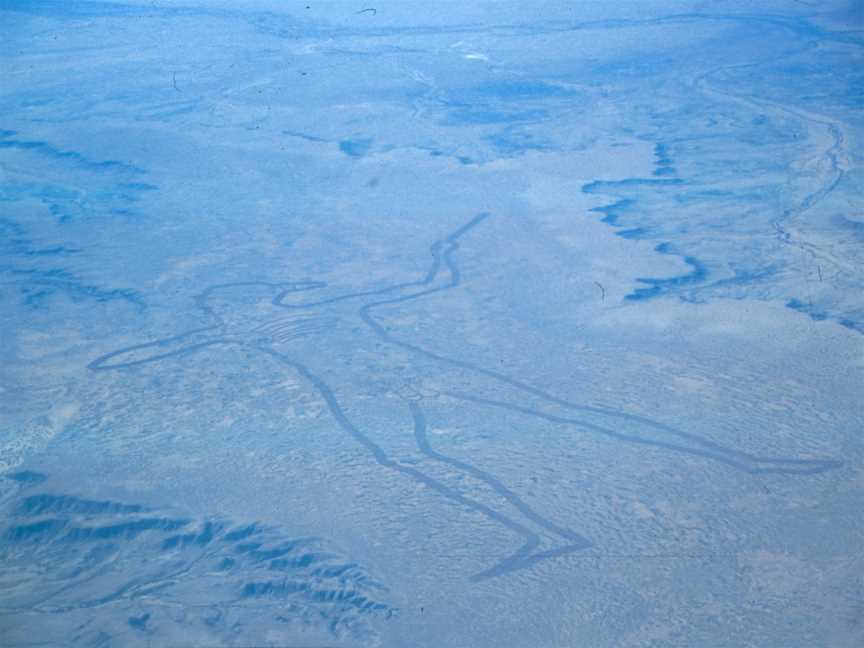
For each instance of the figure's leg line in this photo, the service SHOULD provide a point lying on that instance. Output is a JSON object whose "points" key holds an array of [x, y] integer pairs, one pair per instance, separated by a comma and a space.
{"points": [[523, 560], [532, 540], [733, 458], [496, 485]]}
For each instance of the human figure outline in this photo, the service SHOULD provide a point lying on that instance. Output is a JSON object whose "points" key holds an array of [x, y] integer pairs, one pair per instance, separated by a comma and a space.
{"points": [[271, 335]]}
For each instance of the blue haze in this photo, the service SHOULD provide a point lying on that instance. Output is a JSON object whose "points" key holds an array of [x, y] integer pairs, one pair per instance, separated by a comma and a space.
{"points": [[431, 324]]}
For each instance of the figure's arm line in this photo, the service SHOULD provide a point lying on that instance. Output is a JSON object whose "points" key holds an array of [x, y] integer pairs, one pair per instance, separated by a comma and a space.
{"points": [[102, 363], [278, 300], [441, 252]]}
